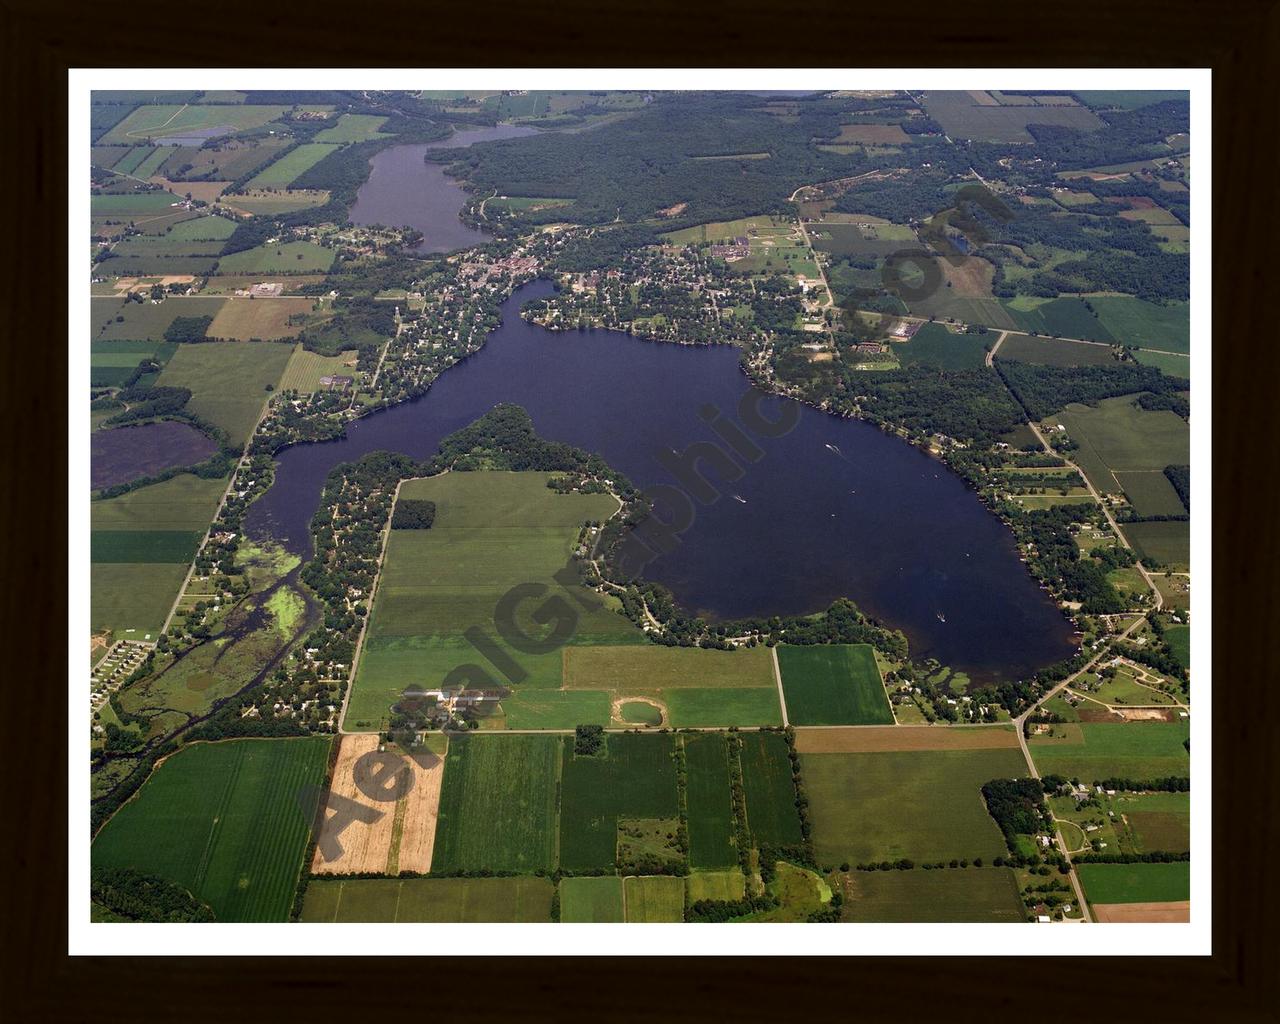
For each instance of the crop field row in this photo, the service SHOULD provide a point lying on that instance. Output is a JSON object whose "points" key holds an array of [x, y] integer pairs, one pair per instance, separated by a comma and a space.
{"points": [[429, 900], [228, 821]]}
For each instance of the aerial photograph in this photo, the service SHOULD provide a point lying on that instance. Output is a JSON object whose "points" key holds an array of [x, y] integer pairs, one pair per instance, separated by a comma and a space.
{"points": [[624, 506]]}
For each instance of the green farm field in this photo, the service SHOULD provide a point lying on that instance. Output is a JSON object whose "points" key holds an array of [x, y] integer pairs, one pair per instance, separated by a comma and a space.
{"points": [[1169, 543], [228, 381], [699, 688], [223, 820], [493, 530], [498, 804], [770, 792], [261, 319], [722, 707], [833, 685], [715, 885], [133, 582], [306, 368], [1179, 640], [275, 201], [106, 546], [163, 120], [1117, 436], [1136, 883], [653, 899], [1103, 750], [977, 895], [281, 173], [281, 258], [1151, 493], [143, 321], [591, 900], [128, 205], [934, 345], [1143, 324], [1054, 352], [1172, 366], [921, 804], [1158, 821], [133, 598], [517, 900], [202, 229], [183, 502], [353, 128], [1065, 317], [709, 801], [634, 778]]}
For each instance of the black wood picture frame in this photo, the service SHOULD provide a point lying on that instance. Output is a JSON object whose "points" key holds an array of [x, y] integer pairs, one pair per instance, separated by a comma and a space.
{"points": [[1237, 38]]}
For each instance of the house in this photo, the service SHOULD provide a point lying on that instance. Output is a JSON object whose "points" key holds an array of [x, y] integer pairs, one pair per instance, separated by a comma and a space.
{"points": [[336, 383]]}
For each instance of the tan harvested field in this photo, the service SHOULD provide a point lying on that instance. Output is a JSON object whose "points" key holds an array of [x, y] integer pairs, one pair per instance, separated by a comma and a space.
{"points": [[877, 738], [420, 810], [267, 318], [969, 276], [365, 847], [1143, 913], [205, 191], [128, 284], [372, 847]]}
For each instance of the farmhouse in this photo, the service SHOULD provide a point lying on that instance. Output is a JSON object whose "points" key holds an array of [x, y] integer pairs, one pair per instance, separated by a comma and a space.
{"points": [[905, 330], [336, 383]]}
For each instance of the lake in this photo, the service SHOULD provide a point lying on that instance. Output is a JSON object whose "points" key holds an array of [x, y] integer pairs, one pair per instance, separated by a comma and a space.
{"points": [[403, 189], [127, 453], [833, 508]]}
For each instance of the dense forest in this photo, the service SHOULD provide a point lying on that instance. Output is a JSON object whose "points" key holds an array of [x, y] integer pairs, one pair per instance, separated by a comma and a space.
{"points": [[655, 160], [1044, 390]]}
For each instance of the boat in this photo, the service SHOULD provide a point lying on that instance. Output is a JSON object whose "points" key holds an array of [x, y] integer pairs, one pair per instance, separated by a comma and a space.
{"points": [[941, 617], [739, 497], [832, 447]]}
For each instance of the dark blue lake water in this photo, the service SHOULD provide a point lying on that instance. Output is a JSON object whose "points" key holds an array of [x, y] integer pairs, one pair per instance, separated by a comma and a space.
{"points": [[833, 508], [403, 189]]}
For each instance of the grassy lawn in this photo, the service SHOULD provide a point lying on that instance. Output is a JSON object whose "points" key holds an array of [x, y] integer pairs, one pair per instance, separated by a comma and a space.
{"points": [[222, 820], [833, 685], [925, 805]]}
